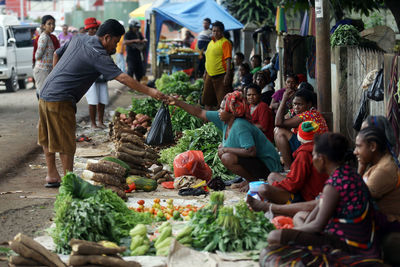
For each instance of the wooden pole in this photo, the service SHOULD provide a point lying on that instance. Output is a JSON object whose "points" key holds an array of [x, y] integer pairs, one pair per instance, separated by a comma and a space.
{"points": [[153, 45], [323, 60]]}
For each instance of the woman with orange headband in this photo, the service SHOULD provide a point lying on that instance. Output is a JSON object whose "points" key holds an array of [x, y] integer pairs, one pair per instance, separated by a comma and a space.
{"points": [[244, 150]]}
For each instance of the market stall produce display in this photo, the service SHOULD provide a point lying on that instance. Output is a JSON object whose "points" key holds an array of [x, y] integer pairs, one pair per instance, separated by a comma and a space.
{"points": [[93, 213]]}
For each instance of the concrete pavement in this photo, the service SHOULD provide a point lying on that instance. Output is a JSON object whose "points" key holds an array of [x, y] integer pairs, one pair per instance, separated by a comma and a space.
{"points": [[18, 123]]}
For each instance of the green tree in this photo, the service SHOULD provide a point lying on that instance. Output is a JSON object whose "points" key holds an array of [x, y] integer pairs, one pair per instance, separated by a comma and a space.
{"points": [[364, 7], [260, 12]]}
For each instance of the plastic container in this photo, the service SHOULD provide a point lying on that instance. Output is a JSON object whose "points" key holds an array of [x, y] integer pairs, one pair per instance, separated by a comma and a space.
{"points": [[253, 189]]}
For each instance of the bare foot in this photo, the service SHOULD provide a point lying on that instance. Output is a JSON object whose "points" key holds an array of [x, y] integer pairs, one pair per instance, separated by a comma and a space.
{"points": [[242, 187], [257, 205], [245, 187], [101, 125], [94, 126]]}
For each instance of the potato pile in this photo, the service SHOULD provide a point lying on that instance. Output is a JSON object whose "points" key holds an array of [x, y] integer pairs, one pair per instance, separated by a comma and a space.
{"points": [[138, 122], [109, 174]]}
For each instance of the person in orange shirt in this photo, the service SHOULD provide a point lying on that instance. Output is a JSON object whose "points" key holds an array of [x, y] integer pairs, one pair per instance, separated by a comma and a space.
{"points": [[119, 55], [218, 75]]}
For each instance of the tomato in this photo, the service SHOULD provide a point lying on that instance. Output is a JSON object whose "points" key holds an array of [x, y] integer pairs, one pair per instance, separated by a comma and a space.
{"points": [[170, 201], [141, 202], [168, 216], [156, 200]]}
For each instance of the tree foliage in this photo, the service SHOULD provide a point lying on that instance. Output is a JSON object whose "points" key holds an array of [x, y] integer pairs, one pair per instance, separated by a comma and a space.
{"points": [[260, 12]]}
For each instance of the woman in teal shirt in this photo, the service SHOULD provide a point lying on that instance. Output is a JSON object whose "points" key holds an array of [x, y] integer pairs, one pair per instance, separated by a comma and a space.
{"points": [[245, 150]]}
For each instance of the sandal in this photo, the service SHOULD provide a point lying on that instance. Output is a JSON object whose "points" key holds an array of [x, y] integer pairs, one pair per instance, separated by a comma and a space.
{"points": [[52, 185]]}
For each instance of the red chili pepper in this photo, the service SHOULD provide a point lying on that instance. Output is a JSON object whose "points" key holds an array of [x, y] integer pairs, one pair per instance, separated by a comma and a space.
{"points": [[132, 187]]}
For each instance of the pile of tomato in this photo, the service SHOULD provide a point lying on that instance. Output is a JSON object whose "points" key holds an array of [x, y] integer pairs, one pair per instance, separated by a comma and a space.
{"points": [[162, 213]]}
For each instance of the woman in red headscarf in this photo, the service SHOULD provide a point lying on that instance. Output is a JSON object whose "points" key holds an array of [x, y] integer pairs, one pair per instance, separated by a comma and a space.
{"points": [[244, 150]]}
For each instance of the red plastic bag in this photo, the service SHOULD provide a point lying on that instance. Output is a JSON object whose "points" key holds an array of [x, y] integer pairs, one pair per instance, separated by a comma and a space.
{"points": [[192, 163], [282, 222]]}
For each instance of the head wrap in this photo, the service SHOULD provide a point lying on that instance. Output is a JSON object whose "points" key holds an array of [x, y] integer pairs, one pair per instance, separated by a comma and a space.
{"points": [[307, 130], [236, 104]]}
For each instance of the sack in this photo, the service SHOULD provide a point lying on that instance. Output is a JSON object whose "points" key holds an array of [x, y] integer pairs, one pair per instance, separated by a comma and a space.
{"points": [[192, 163], [376, 89], [161, 128], [362, 112]]}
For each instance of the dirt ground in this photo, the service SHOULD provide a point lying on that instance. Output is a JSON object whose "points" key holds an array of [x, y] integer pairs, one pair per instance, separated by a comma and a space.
{"points": [[25, 204]]}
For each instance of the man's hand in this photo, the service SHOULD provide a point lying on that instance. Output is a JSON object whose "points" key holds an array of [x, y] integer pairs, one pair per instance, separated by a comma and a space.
{"points": [[156, 94], [226, 79]]}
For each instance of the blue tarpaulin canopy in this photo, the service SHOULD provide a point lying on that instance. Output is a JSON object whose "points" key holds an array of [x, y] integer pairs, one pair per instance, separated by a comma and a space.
{"points": [[190, 14]]}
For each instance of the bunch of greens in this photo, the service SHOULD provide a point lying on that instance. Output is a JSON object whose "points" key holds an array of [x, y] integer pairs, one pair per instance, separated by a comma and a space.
{"points": [[148, 106], [88, 212], [178, 84], [181, 120], [207, 139], [345, 35], [230, 229]]}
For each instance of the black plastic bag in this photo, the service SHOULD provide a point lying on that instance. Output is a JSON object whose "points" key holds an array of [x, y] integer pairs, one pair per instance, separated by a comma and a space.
{"points": [[161, 128], [376, 89], [362, 112]]}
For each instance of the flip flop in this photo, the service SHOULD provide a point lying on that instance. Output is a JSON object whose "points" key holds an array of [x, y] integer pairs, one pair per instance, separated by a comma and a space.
{"points": [[52, 185]]}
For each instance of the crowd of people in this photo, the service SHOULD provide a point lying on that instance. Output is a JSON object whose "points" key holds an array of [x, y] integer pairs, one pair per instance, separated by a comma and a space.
{"points": [[273, 134], [334, 202]]}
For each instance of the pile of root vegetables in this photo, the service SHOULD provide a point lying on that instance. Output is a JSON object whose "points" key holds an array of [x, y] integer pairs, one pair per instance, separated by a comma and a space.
{"points": [[107, 173], [139, 122]]}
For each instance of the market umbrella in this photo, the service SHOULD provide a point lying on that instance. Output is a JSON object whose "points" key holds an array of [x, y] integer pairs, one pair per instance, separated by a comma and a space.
{"points": [[280, 20], [139, 13]]}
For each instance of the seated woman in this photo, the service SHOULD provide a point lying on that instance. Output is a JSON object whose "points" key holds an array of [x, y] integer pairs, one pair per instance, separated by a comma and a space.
{"points": [[383, 175], [291, 85], [303, 110], [344, 217], [389, 171], [263, 80], [245, 150], [261, 114], [303, 182]]}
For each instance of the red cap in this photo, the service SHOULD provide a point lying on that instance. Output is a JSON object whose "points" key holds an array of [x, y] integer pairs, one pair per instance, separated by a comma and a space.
{"points": [[90, 23]]}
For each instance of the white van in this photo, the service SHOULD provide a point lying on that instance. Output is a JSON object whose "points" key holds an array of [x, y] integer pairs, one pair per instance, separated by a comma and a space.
{"points": [[16, 52]]}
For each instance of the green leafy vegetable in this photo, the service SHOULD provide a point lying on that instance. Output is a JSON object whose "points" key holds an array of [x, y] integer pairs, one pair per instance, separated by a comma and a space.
{"points": [[88, 212], [345, 35], [207, 139], [148, 106], [230, 229]]}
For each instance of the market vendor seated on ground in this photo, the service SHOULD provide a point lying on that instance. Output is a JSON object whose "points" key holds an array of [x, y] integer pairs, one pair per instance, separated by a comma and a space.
{"points": [[344, 217], [381, 179], [286, 128], [244, 150], [261, 114], [303, 182]]}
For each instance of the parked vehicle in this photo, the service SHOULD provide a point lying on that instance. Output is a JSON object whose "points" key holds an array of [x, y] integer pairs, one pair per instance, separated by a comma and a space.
{"points": [[16, 49]]}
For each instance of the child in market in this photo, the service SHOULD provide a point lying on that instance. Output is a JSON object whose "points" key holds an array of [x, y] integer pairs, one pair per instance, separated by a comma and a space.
{"points": [[303, 182], [286, 128]]}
